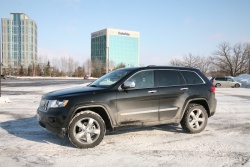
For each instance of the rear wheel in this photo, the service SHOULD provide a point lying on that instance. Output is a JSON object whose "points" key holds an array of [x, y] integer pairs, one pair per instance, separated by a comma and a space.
{"points": [[237, 86], [218, 85], [194, 119], [86, 129]]}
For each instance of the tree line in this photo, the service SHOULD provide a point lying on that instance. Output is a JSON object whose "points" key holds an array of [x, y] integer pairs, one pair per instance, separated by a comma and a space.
{"points": [[64, 66], [226, 60]]}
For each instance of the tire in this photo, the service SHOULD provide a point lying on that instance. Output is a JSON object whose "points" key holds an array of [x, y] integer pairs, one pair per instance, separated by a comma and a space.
{"points": [[236, 85], [218, 85], [86, 129], [194, 119]]}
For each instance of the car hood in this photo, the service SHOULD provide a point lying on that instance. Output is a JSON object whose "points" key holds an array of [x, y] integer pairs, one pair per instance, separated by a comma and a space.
{"points": [[72, 92]]}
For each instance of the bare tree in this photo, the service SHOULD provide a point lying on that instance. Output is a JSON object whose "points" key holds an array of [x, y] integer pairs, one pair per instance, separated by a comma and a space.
{"points": [[176, 62], [63, 66], [191, 60], [70, 64], [120, 65], [98, 68], [201, 62], [231, 60], [88, 67]]}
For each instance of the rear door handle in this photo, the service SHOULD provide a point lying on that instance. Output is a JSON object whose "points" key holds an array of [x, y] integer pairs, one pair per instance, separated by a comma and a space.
{"points": [[184, 88], [152, 91]]}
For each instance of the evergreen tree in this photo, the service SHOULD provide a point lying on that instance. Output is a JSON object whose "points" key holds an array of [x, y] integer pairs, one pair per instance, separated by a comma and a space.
{"points": [[21, 71], [47, 69]]}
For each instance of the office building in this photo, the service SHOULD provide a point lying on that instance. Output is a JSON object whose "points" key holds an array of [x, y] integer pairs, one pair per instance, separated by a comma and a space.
{"points": [[113, 47], [19, 42]]}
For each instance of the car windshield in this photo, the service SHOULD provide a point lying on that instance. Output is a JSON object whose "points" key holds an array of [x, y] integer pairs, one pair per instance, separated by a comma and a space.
{"points": [[110, 78]]}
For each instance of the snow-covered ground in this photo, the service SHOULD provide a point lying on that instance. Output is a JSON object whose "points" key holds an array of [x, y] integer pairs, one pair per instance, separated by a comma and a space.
{"points": [[224, 142]]}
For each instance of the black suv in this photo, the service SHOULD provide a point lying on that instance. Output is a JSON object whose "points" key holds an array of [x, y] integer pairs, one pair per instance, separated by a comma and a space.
{"points": [[130, 96]]}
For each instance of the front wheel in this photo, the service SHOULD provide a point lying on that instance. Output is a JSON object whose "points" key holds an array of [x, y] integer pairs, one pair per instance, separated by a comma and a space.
{"points": [[86, 129], [194, 119]]}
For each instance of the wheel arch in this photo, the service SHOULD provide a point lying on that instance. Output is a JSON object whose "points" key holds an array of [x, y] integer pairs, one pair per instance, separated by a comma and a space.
{"points": [[200, 101], [100, 110]]}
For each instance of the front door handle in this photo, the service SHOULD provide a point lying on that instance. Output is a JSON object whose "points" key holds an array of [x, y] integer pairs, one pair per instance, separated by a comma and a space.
{"points": [[184, 88], [152, 91]]}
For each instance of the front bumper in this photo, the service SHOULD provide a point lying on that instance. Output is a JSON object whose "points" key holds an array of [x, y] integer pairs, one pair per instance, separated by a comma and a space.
{"points": [[52, 121]]}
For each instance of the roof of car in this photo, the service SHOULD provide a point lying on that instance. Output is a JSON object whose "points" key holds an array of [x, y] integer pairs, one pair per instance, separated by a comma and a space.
{"points": [[162, 67]]}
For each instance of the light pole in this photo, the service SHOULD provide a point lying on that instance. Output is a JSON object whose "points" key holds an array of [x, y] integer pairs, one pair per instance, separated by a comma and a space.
{"points": [[248, 53], [107, 60], [0, 63]]}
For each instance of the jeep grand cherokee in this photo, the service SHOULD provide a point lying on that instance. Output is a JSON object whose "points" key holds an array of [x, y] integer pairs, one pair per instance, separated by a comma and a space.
{"points": [[130, 96]]}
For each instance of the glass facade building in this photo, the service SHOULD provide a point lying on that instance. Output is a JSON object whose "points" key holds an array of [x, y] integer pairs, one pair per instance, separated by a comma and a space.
{"points": [[19, 41], [113, 47]]}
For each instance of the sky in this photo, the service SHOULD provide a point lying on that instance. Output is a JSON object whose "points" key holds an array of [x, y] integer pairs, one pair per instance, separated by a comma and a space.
{"points": [[168, 28]]}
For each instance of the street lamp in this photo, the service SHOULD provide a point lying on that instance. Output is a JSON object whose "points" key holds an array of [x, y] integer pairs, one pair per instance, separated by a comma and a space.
{"points": [[0, 62], [248, 53], [107, 60]]}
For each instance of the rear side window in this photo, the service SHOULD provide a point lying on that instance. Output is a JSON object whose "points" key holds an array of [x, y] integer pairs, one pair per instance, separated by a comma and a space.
{"points": [[221, 79], [169, 78], [191, 77]]}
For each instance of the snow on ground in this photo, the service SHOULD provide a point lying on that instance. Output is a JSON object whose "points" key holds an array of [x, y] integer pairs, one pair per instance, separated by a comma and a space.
{"points": [[224, 142]]}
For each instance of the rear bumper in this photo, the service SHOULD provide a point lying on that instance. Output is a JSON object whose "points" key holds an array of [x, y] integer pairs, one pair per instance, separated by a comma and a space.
{"points": [[213, 106]]}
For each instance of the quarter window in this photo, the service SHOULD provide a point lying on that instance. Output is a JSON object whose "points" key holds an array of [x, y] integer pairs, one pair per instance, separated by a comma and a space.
{"points": [[192, 78]]}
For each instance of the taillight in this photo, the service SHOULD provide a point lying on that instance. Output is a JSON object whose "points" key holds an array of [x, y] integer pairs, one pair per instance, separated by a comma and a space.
{"points": [[212, 89]]}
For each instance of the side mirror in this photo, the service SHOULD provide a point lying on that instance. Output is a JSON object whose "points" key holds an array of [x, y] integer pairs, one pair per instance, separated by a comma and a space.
{"points": [[128, 84]]}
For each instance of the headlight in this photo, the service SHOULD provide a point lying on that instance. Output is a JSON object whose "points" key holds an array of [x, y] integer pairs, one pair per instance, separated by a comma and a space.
{"points": [[46, 104], [57, 103]]}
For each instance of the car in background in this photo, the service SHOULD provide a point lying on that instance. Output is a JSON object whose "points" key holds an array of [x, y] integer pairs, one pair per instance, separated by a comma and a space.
{"points": [[86, 76], [3, 77], [225, 82]]}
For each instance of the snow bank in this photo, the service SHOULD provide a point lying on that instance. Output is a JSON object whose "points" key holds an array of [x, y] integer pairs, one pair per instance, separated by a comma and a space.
{"points": [[244, 79]]}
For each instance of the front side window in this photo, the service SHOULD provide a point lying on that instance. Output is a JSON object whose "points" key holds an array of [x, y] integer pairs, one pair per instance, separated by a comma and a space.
{"points": [[191, 78], [143, 79], [169, 78]]}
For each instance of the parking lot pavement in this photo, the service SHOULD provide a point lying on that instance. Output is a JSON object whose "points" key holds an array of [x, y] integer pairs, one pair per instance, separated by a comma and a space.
{"points": [[224, 142]]}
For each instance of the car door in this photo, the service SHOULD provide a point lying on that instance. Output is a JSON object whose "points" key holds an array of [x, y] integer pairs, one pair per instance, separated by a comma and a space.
{"points": [[139, 104], [230, 82], [171, 93]]}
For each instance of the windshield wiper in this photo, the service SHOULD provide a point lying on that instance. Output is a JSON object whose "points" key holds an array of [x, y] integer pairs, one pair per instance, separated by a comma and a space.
{"points": [[92, 86]]}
